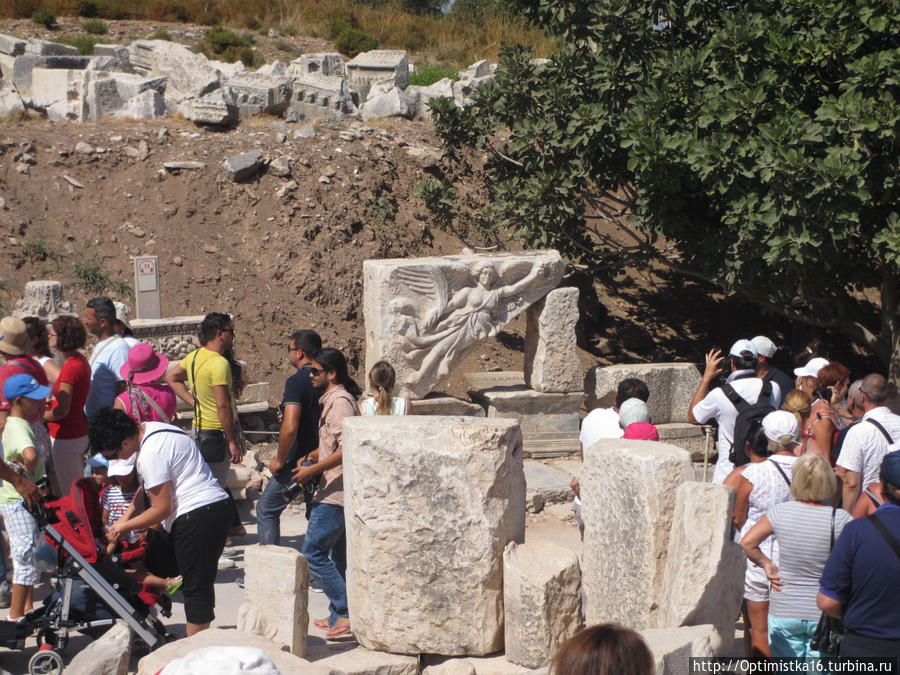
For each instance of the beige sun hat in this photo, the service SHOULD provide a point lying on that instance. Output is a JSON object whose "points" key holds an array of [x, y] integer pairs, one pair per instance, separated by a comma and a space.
{"points": [[13, 336]]}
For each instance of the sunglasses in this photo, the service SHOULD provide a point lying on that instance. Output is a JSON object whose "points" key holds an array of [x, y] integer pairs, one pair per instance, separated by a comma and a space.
{"points": [[315, 371], [228, 330]]}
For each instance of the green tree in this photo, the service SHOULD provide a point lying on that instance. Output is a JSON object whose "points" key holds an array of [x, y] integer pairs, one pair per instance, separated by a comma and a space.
{"points": [[751, 144]]}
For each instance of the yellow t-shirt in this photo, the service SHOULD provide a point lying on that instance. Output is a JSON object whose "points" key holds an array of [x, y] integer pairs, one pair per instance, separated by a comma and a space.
{"points": [[211, 370]]}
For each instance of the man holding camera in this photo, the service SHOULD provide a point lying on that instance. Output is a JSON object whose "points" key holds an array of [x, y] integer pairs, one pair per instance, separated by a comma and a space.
{"points": [[740, 364], [298, 437]]}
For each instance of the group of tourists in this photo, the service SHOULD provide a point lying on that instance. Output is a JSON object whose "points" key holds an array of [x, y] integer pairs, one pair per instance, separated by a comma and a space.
{"points": [[111, 413], [815, 463]]}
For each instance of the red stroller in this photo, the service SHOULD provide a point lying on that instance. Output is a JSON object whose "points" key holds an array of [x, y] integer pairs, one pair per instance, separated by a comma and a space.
{"points": [[91, 590]]}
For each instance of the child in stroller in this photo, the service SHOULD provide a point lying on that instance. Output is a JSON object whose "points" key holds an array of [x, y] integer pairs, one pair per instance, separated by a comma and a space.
{"points": [[91, 592], [123, 498]]}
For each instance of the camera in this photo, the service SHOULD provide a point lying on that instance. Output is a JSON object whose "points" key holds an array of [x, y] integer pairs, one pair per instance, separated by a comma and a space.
{"points": [[294, 490]]}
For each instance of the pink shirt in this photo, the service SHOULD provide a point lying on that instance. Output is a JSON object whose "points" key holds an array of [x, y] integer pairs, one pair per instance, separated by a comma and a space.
{"points": [[161, 394], [334, 406]]}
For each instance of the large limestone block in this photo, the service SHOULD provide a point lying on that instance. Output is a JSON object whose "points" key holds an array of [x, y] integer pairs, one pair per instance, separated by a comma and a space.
{"points": [[424, 314], [47, 48], [672, 648], [330, 64], [393, 103], [691, 437], [541, 601], [671, 385], [11, 45], [551, 360], [221, 637], [51, 85], [496, 664], [188, 74], [362, 661], [10, 101], [430, 503], [704, 577], [276, 580], [217, 108], [108, 655], [370, 67], [628, 502], [256, 93]]}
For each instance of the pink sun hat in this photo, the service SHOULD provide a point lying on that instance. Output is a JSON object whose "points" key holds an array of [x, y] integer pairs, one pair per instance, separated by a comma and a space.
{"points": [[144, 365]]}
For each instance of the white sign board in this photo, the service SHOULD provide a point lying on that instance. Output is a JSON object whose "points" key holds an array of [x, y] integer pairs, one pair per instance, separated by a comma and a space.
{"points": [[146, 285]]}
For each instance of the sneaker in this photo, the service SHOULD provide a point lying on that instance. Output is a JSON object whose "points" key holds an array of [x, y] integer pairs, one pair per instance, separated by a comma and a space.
{"points": [[240, 582], [226, 563], [230, 551]]}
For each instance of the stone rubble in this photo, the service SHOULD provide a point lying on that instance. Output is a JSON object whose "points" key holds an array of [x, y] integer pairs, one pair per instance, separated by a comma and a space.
{"points": [[55, 80], [108, 655]]}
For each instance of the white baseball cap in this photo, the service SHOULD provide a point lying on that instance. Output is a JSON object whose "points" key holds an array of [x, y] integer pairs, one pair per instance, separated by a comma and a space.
{"points": [[781, 426], [121, 467], [812, 367], [764, 346], [743, 346]]}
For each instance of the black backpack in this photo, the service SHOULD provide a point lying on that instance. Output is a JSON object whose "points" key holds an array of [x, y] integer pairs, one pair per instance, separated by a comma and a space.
{"points": [[747, 413]]}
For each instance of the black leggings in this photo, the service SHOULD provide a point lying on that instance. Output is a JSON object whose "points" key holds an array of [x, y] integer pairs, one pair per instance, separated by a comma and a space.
{"points": [[199, 538]]}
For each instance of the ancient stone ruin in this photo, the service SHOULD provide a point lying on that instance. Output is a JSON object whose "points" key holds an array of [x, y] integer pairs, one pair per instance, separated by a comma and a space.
{"points": [[149, 79]]}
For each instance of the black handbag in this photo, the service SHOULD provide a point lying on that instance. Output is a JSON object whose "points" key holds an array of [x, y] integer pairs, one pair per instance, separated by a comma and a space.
{"points": [[830, 631]]}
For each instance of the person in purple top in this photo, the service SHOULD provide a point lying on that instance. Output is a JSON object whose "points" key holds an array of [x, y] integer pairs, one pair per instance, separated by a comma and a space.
{"points": [[859, 583]]}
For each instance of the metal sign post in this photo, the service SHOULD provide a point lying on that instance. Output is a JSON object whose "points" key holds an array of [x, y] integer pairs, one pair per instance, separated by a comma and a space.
{"points": [[146, 287]]}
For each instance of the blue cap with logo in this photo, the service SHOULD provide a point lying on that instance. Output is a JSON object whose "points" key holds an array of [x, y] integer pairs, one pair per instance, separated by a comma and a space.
{"points": [[24, 385]]}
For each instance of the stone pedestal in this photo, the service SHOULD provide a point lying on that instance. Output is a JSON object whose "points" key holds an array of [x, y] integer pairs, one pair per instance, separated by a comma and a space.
{"points": [[549, 422], [541, 599], [43, 299], [689, 436], [276, 583], [551, 360], [447, 405], [671, 385], [430, 503], [628, 501]]}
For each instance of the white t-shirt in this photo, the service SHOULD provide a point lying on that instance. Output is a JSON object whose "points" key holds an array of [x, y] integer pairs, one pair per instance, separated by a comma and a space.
{"points": [[716, 404], [106, 361], [171, 456], [865, 445], [600, 423], [769, 488]]}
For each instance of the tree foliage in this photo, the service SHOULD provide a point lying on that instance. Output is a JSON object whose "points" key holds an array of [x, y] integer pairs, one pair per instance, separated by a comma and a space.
{"points": [[757, 140]]}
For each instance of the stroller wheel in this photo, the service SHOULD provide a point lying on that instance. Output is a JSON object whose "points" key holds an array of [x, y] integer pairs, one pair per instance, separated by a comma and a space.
{"points": [[45, 662]]}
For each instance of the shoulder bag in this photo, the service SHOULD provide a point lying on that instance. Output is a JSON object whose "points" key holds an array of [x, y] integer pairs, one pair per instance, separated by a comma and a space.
{"points": [[830, 631]]}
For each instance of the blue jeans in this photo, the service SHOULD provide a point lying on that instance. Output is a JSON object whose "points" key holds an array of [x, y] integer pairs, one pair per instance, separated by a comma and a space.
{"points": [[269, 508], [325, 549], [790, 638]]}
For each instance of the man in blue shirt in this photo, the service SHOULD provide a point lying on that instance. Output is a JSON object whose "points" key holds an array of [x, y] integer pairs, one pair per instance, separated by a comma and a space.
{"points": [[108, 357], [298, 437], [860, 581]]}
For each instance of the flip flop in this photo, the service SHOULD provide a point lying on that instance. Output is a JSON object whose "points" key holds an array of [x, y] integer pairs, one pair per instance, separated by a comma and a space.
{"points": [[172, 585], [322, 623], [338, 631]]}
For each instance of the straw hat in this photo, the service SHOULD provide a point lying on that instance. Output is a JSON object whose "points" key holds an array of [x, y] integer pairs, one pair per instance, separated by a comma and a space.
{"points": [[13, 336]]}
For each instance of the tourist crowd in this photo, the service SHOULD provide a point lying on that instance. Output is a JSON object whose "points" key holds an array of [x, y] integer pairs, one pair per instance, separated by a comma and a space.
{"points": [[813, 460]]}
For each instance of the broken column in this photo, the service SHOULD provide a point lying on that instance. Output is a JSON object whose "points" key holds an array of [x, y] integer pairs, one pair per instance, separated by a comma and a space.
{"points": [[704, 576], [541, 601], [276, 583], [551, 360], [628, 501], [430, 503]]}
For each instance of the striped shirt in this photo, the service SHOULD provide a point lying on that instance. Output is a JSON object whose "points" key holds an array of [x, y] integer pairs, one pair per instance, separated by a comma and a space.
{"points": [[803, 533], [117, 502]]}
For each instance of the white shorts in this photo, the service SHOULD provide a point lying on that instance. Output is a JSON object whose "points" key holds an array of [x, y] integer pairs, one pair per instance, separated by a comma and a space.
{"points": [[756, 584], [23, 532]]}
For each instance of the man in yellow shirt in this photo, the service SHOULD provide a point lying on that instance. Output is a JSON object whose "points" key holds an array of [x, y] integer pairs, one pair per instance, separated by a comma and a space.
{"points": [[208, 373]]}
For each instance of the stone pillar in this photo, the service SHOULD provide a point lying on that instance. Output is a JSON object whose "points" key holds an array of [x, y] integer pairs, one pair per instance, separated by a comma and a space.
{"points": [[430, 503], [541, 601], [704, 577], [628, 500], [276, 587], [43, 299], [551, 361]]}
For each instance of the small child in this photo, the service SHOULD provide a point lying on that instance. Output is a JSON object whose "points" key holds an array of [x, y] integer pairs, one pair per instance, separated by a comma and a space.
{"points": [[118, 501], [26, 397], [381, 380], [99, 472]]}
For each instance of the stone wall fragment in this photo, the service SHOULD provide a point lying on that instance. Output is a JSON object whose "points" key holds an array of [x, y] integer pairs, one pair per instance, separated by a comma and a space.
{"points": [[330, 64], [672, 385], [256, 93], [369, 67], [188, 74], [628, 501], [541, 601], [438, 498], [551, 358]]}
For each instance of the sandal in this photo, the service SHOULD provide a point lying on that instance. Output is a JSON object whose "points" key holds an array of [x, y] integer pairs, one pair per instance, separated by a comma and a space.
{"points": [[173, 585], [322, 623], [338, 630]]}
